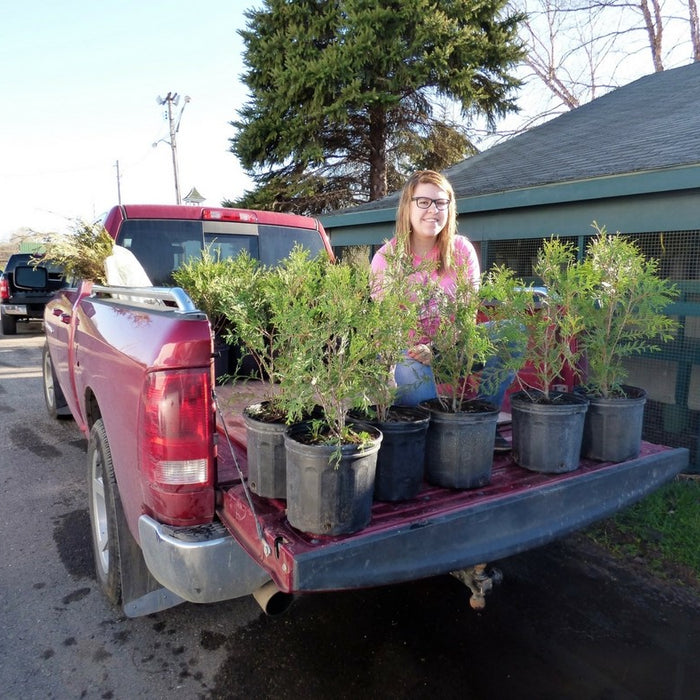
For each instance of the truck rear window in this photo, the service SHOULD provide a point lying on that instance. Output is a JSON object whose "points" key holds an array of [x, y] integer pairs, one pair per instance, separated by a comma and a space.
{"points": [[162, 245]]}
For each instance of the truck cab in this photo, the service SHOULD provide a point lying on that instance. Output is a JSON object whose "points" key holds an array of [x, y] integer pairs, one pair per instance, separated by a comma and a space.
{"points": [[162, 237]]}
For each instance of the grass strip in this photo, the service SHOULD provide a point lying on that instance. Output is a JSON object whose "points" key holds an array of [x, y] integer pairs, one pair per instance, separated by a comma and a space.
{"points": [[662, 531]]}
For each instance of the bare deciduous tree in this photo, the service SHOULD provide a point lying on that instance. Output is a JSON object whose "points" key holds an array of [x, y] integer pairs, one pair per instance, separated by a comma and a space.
{"points": [[694, 29], [580, 49], [655, 28]]}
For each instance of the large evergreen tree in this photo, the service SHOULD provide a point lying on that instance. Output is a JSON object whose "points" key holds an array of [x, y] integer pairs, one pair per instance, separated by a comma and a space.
{"points": [[346, 95]]}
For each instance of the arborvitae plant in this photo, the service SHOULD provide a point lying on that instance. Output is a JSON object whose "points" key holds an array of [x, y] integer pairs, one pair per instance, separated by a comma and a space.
{"points": [[82, 252], [621, 302], [552, 321], [397, 300], [325, 330], [207, 279], [246, 307], [460, 343]]}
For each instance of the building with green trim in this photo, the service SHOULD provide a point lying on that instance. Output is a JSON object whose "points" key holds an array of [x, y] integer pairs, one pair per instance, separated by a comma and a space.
{"points": [[630, 161]]}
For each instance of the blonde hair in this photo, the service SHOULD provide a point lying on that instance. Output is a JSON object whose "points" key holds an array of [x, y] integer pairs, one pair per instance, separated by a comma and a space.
{"points": [[445, 239]]}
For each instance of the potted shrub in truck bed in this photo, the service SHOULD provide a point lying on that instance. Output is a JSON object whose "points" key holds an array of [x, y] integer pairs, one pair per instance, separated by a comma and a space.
{"points": [[82, 252], [400, 466], [325, 326], [547, 422], [206, 280], [622, 304], [401, 458], [235, 293], [462, 430], [246, 308]]}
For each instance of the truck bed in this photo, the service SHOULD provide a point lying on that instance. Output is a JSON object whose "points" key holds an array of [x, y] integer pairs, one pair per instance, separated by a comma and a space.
{"points": [[517, 511]]}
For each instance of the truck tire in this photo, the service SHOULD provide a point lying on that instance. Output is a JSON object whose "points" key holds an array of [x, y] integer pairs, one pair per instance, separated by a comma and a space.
{"points": [[56, 403], [103, 502], [9, 325]]}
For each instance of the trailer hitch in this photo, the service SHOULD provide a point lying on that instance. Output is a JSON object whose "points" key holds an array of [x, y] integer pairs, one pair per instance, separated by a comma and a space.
{"points": [[479, 582]]}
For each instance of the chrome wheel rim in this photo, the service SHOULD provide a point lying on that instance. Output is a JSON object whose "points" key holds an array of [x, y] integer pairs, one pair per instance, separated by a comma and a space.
{"points": [[99, 511]]}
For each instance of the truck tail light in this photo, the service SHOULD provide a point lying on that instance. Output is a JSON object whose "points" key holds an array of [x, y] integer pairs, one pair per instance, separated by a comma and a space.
{"points": [[4, 289], [177, 450]]}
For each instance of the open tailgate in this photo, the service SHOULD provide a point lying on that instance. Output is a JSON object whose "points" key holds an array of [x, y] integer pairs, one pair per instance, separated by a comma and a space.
{"points": [[442, 529]]}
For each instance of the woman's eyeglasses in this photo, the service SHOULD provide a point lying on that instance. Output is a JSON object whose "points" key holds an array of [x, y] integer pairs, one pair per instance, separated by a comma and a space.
{"points": [[426, 203]]}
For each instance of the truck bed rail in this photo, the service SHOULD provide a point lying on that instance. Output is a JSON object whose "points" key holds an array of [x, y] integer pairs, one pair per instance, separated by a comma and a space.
{"points": [[166, 297]]}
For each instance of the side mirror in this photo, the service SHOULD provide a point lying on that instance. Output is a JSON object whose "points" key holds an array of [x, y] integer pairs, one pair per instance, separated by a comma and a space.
{"points": [[27, 277]]}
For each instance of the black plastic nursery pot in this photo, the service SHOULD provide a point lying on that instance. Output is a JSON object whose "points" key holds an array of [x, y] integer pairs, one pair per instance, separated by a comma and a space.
{"points": [[329, 493], [231, 360], [401, 458], [222, 353], [613, 428], [547, 436], [459, 446], [267, 461]]}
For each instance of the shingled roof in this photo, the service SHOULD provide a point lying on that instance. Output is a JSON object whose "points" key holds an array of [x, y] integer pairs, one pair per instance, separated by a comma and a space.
{"points": [[650, 124]]}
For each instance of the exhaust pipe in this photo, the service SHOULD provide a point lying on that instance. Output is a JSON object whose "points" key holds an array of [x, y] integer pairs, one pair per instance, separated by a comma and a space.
{"points": [[272, 601]]}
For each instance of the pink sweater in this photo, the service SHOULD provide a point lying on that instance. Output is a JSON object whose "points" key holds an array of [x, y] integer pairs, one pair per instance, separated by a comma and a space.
{"points": [[464, 255]]}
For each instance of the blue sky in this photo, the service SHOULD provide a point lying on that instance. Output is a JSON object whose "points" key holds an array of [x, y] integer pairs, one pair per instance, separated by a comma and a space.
{"points": [[79, 81], [78, 88]]}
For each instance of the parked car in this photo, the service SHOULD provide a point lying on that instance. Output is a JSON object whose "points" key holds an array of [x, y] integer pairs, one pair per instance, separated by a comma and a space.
{"points": [[25, 288]]}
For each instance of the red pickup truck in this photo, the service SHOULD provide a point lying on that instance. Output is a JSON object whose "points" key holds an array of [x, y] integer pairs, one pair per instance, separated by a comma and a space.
{"points": [[172, 517]]}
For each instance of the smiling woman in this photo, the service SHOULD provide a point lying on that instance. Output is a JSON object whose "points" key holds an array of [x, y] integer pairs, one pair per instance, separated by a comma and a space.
{"points": [[426, 237], [426, 225]]}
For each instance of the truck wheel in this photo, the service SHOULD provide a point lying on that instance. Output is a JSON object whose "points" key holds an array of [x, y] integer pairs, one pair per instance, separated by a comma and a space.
{"points": [[9, 325], [103, 501], [56, 403]]}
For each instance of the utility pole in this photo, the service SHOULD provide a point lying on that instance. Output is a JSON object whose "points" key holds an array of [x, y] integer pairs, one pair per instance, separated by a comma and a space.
{"points": [[172, 99], [119, 185]]}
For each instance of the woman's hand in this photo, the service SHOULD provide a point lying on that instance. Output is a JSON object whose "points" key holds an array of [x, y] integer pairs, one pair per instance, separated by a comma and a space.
{"points": [[420, 353]]}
